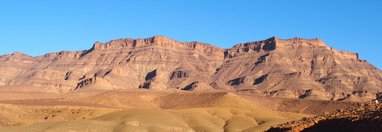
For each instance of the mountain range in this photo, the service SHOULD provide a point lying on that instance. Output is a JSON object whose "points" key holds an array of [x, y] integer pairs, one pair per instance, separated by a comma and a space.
{"points": [[289, 68]]}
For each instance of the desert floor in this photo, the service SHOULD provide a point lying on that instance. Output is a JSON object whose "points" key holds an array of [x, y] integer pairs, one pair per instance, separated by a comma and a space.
{"points": [[147, 110]]}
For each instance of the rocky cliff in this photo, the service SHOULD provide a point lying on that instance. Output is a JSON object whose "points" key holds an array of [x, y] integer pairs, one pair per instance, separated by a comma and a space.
{"points": [[298, 68], [152, 63], [295, 68]]}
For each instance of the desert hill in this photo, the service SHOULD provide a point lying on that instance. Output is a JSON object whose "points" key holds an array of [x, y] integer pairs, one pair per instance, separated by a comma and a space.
{"points": [[147, 110], [291, 68]]}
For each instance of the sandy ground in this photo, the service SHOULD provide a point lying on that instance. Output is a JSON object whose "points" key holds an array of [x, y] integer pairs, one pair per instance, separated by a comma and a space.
{"points": [[145, 110]]}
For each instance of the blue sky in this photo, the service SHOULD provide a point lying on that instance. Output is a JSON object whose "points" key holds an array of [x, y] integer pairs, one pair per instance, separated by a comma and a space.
{"points": [[36, 27]]}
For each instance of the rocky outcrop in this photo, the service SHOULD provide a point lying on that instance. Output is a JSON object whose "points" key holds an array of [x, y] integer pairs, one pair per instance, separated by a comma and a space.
{"points": [[85, 82], [150, 77], [361, 117], [292, 68]]}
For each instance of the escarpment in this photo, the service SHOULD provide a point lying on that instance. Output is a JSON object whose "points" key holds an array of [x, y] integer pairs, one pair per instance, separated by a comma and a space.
{"points": [[292, 68]]}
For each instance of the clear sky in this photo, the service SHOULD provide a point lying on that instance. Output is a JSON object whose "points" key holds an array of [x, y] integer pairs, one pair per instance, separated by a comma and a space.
{"points": [[36, 27]]}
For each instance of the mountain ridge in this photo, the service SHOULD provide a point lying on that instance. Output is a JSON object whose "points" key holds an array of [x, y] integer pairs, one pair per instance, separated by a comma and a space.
{"points": [[148, 40], [292, 68], [132, 42]]}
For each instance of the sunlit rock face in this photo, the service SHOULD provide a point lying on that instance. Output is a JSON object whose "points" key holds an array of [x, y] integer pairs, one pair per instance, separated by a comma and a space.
{"points": [[293, 68], [297, 68]]}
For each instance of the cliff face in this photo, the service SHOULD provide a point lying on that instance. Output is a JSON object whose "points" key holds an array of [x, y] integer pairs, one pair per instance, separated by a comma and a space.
{"points": [[151, 63], [297, 68]]}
